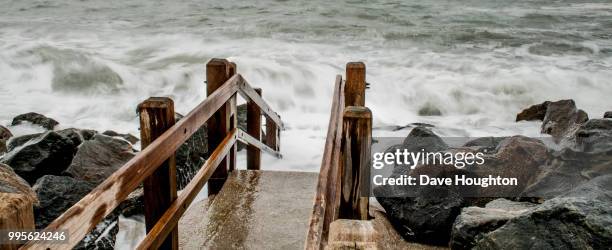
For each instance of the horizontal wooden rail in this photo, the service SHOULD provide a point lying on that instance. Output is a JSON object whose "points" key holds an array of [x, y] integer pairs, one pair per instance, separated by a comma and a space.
{"points": [[247, 92], [82, 217]]}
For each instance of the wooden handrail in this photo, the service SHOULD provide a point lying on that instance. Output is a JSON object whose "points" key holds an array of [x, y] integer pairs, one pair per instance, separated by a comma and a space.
{"points": [[82, 217], [322, 211], [342, 188]]}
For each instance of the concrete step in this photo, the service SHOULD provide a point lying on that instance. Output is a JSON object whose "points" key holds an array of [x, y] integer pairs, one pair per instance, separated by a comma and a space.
{"points": [[254, 210]]}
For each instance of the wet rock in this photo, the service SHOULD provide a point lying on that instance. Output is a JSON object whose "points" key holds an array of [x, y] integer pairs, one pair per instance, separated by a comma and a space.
{"points": [[20, 140], [37, 119], [5, 134], [429, 110], [98, 158], [518, 157], [535, 112], [608, 114], [56, 194], [191, 155], [475, 222], [50, 153], [562, 118], [594, 136], [567, 169], [426, 213], [423, 138], [11, 183], [579, 219], [128, 137], [73, 134]]}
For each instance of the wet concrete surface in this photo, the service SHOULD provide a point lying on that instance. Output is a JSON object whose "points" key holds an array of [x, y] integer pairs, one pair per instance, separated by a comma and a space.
{"points": [[254, 210]]}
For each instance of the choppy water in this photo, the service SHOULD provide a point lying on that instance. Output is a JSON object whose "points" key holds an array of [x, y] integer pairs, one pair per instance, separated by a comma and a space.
{"points": [[88, 63]]}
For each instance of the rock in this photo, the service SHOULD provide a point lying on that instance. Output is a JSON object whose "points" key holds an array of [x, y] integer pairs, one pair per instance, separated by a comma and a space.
{"points": [[567, 169], [429, 110], [98, 158], [426, 213], [56, 195], [517, 157], [535, 112], [594, 136], [128, 137], [423, 138], [11, 183], [73, 134], [5, 133], [579, 219], [37, 119], [191, 155], [50, 153], [608, 114], [20, 140], [475, 222], [562, 118]]}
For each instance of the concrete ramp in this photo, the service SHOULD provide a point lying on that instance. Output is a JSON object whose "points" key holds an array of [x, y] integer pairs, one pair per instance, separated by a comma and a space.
{"points": [[254, 210]]}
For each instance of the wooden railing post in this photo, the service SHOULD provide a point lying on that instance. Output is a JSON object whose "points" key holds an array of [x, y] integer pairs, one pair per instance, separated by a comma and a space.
{"points": [[233, 106], [254, 129], [354, 90], [217, 73], [271, 134], [356, 143], [16, 214], [157, 116]]}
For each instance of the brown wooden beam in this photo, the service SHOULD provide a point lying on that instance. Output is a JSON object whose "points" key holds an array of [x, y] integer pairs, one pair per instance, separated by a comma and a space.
{"points": [[157, 116], [356, 143], [217, 73], [354, 90], [254, 130]]}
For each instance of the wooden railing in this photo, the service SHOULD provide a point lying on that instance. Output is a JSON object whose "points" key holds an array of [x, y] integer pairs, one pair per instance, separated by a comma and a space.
{"points": [[155, 166], [342, 188]]}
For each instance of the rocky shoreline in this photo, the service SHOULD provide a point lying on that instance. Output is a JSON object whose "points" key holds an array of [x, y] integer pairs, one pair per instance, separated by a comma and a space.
{"points": [[56, 168], [564, 202]]}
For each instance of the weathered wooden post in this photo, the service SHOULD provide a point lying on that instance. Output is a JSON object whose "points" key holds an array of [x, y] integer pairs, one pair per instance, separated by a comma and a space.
{"points": [[357, 140], [254, 129], [356, 144], [157, 116], [233, 109], [217, 73], [272, 133], [16, 213], [354, 90]]}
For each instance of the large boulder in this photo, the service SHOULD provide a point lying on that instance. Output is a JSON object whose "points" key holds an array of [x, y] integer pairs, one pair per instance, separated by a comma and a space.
{"points": [[128, 137], [608, 114], [98, 158], [567, 169], [562, 118], [56, 194], [5, 134], [579, 219], [475, 222], [11, 183], [426, 213], [37, 119], [191, 155], [50, 153], [535, 112]]}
